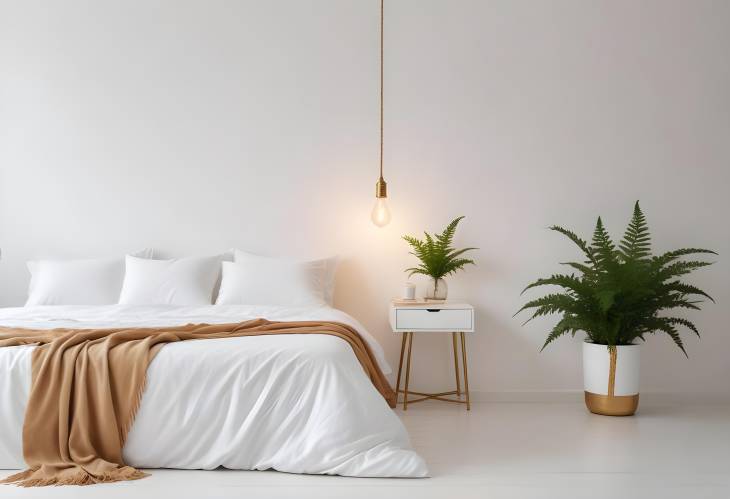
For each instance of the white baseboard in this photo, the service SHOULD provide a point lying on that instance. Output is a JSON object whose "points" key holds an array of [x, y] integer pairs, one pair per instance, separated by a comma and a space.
{"points": [[528, 396], [576, 396], [685, 398]]}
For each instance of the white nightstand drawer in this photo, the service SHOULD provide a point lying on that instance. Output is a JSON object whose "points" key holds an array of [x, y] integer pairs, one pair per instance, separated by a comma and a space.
{"points": [[437, 319]]}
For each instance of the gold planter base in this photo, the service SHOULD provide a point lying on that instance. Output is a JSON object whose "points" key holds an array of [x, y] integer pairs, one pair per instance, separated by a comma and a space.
{"points": [[618, 405]]}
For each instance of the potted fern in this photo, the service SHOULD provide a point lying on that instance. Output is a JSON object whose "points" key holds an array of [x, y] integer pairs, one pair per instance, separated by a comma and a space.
{"points": [[438, 259], [619, 295]]}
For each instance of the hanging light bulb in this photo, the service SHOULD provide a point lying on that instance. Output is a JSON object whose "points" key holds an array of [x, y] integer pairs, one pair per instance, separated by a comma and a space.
{"points": [[381, 212]]}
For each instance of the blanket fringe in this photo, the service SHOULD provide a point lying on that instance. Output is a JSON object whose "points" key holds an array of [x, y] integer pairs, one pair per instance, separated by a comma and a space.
{"points": [[127, 426], [17, 477], [79, 477]]}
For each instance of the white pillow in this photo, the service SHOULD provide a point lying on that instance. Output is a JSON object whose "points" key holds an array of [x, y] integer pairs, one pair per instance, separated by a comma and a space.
{"points": [[77, 282], [287, 284], [322, 271], [180, 281]]}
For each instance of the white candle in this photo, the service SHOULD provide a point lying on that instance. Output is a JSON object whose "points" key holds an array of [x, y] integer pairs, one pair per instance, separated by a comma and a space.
{"points": [[409, 291]]}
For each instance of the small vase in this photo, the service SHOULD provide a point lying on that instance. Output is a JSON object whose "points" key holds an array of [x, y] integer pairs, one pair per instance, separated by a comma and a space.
{"points": [[436, 289]]}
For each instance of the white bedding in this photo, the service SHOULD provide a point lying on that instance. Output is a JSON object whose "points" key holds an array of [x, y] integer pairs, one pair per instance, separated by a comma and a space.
{"points": [[294, 403]]}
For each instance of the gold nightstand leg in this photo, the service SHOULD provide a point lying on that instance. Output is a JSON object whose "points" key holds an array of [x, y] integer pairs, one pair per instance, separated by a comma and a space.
{"points": [[456, 366], [408, 371], [400, 365], [466, 372]]}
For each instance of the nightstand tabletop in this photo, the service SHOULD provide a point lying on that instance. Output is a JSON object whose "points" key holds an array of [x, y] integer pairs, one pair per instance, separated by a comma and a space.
{"points": [[441, 305]]}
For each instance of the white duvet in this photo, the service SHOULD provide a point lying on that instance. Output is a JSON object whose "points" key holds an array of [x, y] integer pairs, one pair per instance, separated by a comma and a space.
{"points": [[294, 403]]}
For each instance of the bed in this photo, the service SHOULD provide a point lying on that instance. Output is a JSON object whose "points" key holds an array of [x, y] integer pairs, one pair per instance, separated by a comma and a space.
{"points": [[294, 403]]}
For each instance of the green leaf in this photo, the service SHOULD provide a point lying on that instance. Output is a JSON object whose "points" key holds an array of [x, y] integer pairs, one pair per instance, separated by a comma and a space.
{"points": [[585, 269], [684, 322], [636, 243], [566, 325], [566, 281], [677, 269], [664, 325], [549, 304], [686, 289], [602, 246], [577, 240]]}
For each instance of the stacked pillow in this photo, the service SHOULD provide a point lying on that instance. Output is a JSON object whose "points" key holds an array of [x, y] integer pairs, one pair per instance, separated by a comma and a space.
{"points": [[140, 280], [180, 281], [77, 282], [259, 280]]}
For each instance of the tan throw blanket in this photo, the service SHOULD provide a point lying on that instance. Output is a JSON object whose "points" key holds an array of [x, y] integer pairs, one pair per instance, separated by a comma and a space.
{"points": [[87, 385]]}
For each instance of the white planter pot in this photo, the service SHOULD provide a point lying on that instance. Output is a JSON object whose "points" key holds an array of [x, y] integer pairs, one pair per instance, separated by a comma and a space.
{"points": [[611, 382]]}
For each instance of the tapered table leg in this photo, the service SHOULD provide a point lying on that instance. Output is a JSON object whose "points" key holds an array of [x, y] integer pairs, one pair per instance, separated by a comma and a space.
{"points": [[466, 372], [456, 366], [400, 365], [408, 371]]}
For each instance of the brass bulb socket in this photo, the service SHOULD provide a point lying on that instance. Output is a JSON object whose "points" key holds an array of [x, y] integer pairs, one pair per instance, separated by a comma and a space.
{"points": [[381, 188]]}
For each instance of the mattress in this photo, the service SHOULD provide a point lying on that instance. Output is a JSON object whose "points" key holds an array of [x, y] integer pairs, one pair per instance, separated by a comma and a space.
{"points": [[294, 403]]}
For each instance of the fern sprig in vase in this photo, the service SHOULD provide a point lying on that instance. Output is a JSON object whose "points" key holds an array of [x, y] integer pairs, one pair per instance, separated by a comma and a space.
{"points": [[438, 258]]}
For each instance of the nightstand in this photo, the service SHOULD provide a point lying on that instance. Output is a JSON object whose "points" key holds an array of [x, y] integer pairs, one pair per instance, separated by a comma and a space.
{"points": [[454, 318]]}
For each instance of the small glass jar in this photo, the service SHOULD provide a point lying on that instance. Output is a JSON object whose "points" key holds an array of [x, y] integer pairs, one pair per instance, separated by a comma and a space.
{"points": [[436, 289]]}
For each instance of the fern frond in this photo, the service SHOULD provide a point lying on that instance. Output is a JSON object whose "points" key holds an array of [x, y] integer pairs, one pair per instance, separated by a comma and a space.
{"points": [[583, 245], [676, 301], [684, 322], [686, 251], [444, 239], [563, 326], [664, 325], [456, 253], [636, 243], [602, 247], [416, 270], [686, 289], [556, 302], [566, 281], [585, 269], [677, 269]]}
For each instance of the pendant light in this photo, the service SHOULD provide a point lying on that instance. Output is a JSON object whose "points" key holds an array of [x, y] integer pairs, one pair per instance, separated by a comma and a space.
{"points": [[381, 212]]}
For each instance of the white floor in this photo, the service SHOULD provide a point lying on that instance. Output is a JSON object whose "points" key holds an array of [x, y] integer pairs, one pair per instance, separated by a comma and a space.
{"points": [[499, 450]]}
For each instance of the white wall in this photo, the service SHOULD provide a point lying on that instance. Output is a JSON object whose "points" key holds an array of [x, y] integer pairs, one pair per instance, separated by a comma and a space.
{"points": [[195, 126]]}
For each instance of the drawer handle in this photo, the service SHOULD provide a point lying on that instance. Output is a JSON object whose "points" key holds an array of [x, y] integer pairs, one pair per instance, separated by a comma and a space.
{"points": [[433, 310]]}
